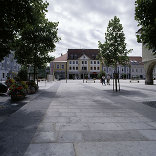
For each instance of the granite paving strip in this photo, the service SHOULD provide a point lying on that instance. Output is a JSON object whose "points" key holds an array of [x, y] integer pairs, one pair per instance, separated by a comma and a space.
{"points": [[121, 148]]}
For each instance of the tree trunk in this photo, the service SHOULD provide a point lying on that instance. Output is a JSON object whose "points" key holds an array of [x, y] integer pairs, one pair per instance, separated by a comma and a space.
{"points": [[116, 87], [113, 81], [34, 72]]}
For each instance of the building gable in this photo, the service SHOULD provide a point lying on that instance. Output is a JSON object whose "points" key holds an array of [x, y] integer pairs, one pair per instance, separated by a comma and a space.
{"points": [[84, 57]]}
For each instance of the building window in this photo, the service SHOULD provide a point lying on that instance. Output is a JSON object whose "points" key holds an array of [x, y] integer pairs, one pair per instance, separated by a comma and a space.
{"points": [[98, 68], [73, 68], [76, 68], [3, 75], [132, 70], [85, 62], [82, 62], [94, 68], [98, 62], [76, 62], [91, 68], [84, 68], [73, 62], [62, 66], [141, 70], [57, 66], [94, 62], [69, 68], [70, 62], [136, 70], [91, 62]]}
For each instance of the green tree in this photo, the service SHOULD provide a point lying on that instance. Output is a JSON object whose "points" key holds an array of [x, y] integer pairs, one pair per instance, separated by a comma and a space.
{"points": [[145, 14], [35, 44], [14, 17], [23, 74], [113, 51]]}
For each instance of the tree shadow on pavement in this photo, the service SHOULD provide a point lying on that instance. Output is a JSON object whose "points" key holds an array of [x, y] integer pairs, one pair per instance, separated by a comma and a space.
{"points": [[130, 93]]}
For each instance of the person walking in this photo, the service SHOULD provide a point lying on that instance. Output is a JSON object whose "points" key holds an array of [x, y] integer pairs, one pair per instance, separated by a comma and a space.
{"points": [[103, 80], [108, 79]]}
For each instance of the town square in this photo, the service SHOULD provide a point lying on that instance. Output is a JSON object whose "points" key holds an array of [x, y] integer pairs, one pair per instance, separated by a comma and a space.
{"points": [[77, 78]]}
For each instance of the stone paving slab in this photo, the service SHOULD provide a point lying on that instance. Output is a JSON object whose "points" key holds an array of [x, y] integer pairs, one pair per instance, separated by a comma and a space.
{"points": [[44, 137], [122, 148], [150, 134], [50, 149], [100, 136]]}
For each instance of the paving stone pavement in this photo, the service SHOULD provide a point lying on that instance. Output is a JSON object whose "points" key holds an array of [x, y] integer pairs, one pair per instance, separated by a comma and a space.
{"points": [[85, 119]]}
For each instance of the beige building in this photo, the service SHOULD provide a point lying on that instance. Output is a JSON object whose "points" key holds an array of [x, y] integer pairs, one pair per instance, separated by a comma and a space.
{"points": [[58, 67]]}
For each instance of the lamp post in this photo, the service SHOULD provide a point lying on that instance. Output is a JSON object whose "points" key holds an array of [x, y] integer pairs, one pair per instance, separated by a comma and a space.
{"points": [[66, 72], [83, 65]]}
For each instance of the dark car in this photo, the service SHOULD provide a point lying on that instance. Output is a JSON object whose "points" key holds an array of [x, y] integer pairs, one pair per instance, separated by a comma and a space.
{"points": [[3, 88]]}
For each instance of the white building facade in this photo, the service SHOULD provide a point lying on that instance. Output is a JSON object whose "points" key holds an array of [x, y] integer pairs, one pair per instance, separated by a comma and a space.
{"points": [[9, 67]]}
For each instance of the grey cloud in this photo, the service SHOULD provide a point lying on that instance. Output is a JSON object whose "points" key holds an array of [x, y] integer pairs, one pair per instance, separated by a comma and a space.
{"points": [[84, 22]]}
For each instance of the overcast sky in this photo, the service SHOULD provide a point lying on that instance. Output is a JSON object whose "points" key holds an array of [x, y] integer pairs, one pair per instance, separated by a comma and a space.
{"points": [[82, 23]]}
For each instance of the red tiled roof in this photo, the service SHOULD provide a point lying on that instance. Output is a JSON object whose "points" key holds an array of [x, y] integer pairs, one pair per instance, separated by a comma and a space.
{"points": [[74, 54], [61, 58], [135, 59]]}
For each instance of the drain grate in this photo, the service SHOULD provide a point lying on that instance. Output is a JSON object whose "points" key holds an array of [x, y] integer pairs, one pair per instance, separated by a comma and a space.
{"points": [[150, 103]]}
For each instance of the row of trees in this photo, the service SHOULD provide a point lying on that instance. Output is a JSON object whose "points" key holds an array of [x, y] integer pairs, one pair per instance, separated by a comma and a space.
{"points": [[25, 30]]}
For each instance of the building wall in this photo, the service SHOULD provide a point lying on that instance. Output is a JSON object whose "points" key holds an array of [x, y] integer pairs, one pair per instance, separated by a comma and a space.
{"points": [[90, 67], [83, 66], [9, 67], [59, 69], [147, 54]]}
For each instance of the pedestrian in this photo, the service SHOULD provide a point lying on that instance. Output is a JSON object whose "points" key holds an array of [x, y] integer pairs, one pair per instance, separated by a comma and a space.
{"points": [[108, 79], [103, 80]]}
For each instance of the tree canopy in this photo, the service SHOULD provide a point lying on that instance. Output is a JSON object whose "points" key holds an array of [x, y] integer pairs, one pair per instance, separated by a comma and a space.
{"points": [[145, 14], [113, 51], [14, 17], [35, 44]]}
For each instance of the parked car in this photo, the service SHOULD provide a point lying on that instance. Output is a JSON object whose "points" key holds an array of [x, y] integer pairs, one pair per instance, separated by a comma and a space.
{"points": [[3, 88]]}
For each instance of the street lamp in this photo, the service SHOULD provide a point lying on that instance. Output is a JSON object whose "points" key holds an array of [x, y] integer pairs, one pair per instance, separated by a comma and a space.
{"points": [[66, 72], [83, 65]]}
